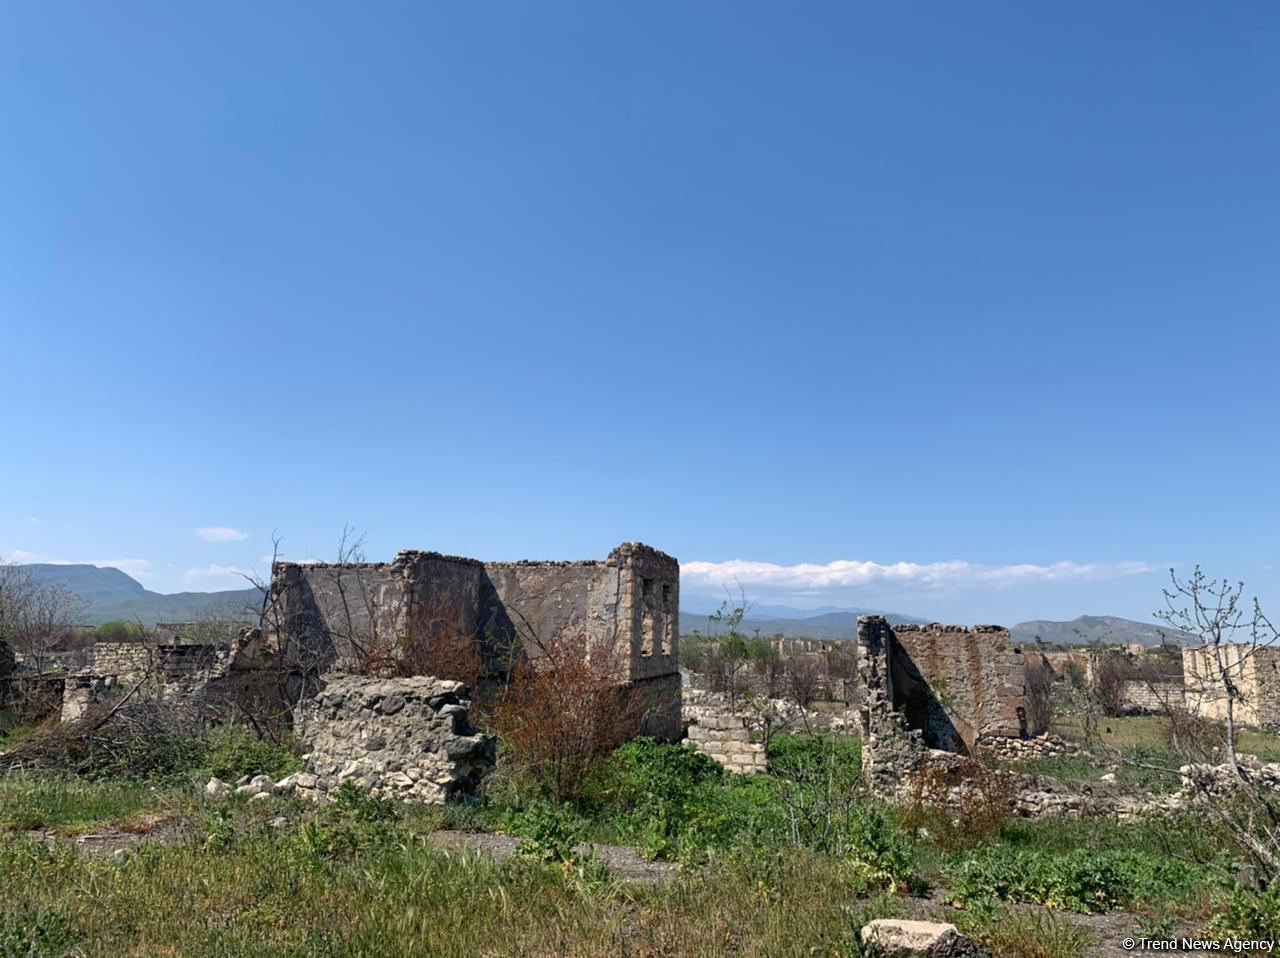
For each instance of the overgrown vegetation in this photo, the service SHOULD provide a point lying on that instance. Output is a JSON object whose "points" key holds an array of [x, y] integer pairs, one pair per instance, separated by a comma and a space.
{"points": [[788, 863]]}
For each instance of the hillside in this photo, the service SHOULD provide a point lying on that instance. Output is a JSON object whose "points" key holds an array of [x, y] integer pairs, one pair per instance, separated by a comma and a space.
{"points": [[112, 594], [1085, 629]]}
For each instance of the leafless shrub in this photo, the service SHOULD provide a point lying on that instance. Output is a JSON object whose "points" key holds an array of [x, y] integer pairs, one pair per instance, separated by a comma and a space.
{"points": [[961, 802], [1039, 697], [35, 618], [1112, 671], [565, 708], [804, 679], [437, 644]]}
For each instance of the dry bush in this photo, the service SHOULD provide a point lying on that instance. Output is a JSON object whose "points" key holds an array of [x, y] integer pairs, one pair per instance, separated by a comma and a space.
{"points": [[1039, 698], [436, 644], [804, 679], [960, 802], [135, 736], [565, 708], [1193, 738], [1112, 670]]}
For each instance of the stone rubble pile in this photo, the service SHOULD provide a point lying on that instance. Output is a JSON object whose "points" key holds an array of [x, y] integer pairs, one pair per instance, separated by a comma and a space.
{"points": [[406, 738]]}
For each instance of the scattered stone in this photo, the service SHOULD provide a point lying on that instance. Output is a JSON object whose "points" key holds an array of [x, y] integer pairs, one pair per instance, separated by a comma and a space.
{"points": [[217, 788], [897, 938], [286, 785], [258, 785]]}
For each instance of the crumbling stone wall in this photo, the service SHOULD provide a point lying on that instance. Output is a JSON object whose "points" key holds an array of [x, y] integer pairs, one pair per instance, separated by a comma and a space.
{"points": [[941, 687], [726, 738], [890, 749], [630, 601], [1255, 672], [410, 739], [243, 676]]}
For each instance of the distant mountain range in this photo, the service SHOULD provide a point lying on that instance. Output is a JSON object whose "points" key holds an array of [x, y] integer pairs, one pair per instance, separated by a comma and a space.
{"points": [[112, 594], [1109, 629], [768, 621]]}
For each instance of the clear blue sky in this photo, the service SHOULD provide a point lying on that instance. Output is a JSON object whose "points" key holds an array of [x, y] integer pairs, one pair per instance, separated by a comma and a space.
{"points": [[992, 284]]}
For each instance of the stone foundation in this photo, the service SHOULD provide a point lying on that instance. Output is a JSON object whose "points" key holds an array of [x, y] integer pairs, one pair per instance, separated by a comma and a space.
{"points": [[410, 739]]}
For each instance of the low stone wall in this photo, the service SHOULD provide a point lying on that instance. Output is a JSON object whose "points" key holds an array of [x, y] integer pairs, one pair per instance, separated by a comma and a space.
{"points": [[1146, 698], [727, 739], [1023, 749], [410, 739]]}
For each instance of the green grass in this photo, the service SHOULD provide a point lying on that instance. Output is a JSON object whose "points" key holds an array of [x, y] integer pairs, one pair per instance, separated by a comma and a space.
{"points": [[281, 894], [769, 865], [1149, 732], [71, 806]]}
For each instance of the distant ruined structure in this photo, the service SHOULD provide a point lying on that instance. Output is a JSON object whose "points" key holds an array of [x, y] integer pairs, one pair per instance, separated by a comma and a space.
{"points": [[1253, 670], [326, 617]]}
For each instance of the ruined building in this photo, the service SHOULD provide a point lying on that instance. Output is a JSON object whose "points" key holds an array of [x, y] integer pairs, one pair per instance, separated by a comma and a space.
{"points": [[328, 617], [1253, 671], [935, 687]]}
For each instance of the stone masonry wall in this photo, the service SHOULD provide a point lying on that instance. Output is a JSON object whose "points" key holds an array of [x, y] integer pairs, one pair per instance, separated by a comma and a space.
{"points": [[1255, 672], [726, 738], [934, 687], [974, 683], [630, 601], [890, 749], [410, 739]]}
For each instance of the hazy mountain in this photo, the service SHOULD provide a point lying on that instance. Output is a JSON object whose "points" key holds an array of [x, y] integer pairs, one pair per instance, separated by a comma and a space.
{"points": [[1110, 629], [841, 624], [112, 594]]}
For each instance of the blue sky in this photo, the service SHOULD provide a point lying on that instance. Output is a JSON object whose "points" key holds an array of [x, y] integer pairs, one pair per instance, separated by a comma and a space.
{"points": [[964, 310]]}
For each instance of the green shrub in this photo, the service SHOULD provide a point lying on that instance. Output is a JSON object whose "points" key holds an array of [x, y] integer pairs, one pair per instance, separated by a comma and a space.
{"points": [[36, 934], [120, 631], [1084, 880], [644, 771], [804, 756], [548, 831], [1249, 914], [232, 752]]}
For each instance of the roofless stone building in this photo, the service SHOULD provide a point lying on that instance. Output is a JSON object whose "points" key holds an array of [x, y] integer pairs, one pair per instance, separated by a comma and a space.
{"points": [[327, 614]]}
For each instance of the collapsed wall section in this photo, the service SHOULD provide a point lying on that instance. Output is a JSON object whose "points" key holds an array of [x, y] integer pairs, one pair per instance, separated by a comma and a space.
{"points": [[942, 687], [410, 739], [960, 685]]}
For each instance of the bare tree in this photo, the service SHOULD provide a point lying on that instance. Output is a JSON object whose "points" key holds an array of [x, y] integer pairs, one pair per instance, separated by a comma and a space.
{"points": [[1230, 634], [1040, 699], [804, 678], [35, 618]]}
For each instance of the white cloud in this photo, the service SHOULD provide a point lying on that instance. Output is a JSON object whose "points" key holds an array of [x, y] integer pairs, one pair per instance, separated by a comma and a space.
{"points": [[846, 573], [220, 534], [218, 576], [33, 521]]}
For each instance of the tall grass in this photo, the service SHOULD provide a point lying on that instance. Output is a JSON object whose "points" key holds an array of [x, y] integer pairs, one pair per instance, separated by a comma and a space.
{"points": [[277, 894]]}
